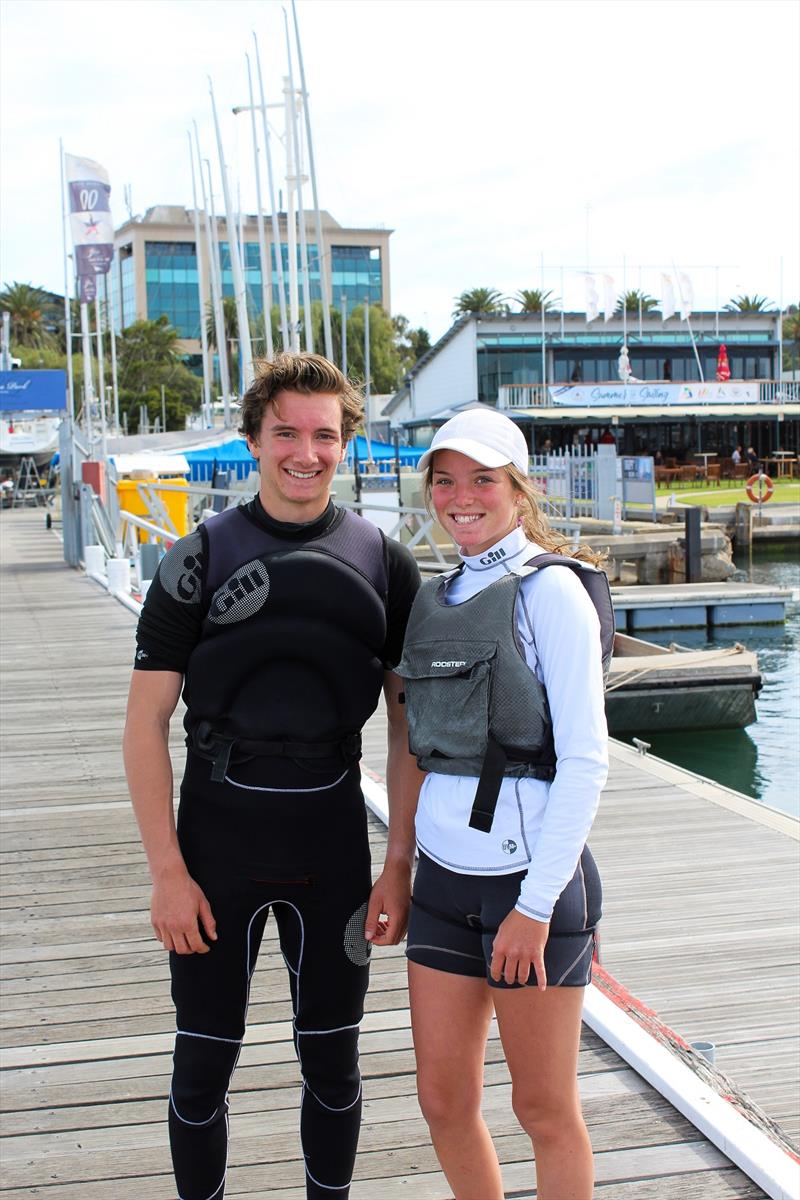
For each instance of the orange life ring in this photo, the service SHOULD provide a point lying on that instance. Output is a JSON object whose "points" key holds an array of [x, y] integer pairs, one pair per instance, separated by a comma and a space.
{"points": [[765, 488]]}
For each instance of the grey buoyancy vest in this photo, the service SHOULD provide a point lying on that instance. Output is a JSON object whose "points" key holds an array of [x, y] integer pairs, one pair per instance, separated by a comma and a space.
{"points": [[290, 659], [474, 706]]}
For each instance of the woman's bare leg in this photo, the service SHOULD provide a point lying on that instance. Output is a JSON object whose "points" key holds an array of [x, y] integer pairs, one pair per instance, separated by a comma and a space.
{"points": [[541, 1038], [450, 1017]]}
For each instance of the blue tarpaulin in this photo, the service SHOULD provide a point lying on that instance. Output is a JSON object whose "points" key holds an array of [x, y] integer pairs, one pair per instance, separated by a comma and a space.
{"points": [[230, 456], [409, 456], [33, 391], [234, 457]]}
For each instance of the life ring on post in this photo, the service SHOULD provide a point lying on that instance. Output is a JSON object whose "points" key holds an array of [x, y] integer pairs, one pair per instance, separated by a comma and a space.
{"points": [[759, 488]]}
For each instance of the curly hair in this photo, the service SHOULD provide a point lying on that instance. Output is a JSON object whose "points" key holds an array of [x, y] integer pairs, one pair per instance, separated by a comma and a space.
{"points": [[533, 520], [309, 374]]}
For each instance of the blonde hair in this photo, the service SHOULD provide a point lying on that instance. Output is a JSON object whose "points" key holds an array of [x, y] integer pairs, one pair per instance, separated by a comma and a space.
{"points": [[305, 373], [533, 520]]}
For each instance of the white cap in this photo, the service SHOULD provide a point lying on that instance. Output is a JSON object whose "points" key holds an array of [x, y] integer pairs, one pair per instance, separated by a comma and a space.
{"points": [[488, 437]]}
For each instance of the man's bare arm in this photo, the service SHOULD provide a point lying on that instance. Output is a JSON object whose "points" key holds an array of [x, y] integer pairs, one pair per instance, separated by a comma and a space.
{"points": [[178, 906], [392, 890]]}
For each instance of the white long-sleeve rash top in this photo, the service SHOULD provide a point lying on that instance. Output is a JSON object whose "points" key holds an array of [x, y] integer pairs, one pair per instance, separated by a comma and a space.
{"points": [[539, 826]]}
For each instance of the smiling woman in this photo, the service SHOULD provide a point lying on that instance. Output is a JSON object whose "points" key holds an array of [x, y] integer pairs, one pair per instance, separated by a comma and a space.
{"points": [[504, 701]]}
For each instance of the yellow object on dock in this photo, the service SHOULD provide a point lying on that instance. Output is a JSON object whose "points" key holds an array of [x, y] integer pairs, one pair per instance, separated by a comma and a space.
{"points": [[176, 503]]}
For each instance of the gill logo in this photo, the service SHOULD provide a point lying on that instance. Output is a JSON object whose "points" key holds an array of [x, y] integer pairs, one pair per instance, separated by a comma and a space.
{"points": [[492, 557]]}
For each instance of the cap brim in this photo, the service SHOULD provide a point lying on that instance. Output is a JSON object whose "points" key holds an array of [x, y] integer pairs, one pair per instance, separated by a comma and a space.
{"points": [[474, 450]]}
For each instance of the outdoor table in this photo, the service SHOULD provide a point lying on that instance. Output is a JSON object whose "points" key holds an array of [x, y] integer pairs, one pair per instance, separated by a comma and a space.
{"points": [[783, 460], [702, 470]]}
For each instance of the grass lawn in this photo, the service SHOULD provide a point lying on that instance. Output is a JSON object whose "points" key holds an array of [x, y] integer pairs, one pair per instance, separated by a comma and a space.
{"points": [[787, 491]]}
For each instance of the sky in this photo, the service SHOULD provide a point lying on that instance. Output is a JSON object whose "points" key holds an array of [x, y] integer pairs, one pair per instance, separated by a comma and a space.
{"points": [[507, 143]]}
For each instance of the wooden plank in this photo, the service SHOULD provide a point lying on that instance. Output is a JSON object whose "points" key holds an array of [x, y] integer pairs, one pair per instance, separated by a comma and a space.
{"points": [[85, 989]]}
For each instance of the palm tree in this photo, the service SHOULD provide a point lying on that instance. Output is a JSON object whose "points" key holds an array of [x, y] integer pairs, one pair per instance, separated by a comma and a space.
{"points": [[791, 338], [633, 299], [26, 304], [479, 300], [230, 323], [533, 300], [749, 304]]}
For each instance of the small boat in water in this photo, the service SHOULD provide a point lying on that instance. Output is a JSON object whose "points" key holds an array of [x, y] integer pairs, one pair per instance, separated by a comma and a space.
{"points": [[657, 688]]}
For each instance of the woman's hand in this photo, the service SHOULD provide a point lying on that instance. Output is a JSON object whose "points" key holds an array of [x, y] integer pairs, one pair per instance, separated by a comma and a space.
{"points": [[519, 945]]}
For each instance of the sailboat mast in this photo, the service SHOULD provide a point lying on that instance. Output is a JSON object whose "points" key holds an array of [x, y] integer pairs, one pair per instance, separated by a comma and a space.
{"points": [[321, 253]]}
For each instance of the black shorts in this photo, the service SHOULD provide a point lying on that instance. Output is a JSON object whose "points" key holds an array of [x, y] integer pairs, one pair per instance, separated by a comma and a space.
{"points": [[454, 919]]}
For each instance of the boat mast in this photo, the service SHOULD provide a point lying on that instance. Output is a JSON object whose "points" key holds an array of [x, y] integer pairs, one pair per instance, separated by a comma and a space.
{"points": [[299, 180], [245, 350], [277, 248], [322, 256], [201, 292], [266, 267]]}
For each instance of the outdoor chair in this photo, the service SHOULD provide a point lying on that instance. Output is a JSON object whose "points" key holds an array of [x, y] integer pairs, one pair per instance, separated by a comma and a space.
{"points": [[741, 471], [687, 474], [714, 473]]}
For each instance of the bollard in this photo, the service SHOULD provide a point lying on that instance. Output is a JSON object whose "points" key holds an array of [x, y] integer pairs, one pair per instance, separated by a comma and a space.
{"points": [[119, 575], [706, 1050], [94, 560], [149, 556], [693, 545]]}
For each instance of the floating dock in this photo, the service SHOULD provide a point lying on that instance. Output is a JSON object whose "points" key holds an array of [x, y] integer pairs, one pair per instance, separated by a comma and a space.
{"points": [[700, 901], [698, 605]]}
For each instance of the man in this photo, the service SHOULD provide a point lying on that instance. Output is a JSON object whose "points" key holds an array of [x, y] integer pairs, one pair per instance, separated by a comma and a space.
{"points": [[281, 619]]}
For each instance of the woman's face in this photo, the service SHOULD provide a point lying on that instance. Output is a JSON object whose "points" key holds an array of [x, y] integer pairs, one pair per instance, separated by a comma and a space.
{"points": [[476, 505]]}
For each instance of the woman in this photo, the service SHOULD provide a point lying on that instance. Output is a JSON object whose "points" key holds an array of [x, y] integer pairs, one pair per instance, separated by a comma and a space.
{"points": [[504, 693]]}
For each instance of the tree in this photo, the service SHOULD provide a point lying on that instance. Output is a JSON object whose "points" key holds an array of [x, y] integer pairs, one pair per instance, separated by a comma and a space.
{"points": [[147, 360], [632, 300], [411, 343], [749, 304], [27, 306], [386, 366], [480, 300], [532, 300], [791, 338], [230, 322]]}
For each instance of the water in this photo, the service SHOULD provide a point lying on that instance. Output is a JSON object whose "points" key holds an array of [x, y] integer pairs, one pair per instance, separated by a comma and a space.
{"points": [[762, 761]]}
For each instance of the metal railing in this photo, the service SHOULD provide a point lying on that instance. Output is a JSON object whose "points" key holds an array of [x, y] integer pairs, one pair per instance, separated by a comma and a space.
{"points": [[522, 395]]}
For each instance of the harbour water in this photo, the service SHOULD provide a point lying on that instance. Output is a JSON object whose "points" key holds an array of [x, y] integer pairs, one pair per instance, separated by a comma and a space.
{"points": [[762, 761]]}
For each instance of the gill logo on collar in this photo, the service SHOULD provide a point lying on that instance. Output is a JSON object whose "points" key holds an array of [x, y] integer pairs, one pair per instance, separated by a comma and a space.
{"points": [[492, 557]]}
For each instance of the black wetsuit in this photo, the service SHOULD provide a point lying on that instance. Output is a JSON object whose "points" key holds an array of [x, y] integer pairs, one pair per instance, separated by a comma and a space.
{"points": [[274, 832]]}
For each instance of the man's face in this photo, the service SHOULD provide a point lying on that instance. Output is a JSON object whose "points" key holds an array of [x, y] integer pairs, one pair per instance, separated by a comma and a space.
{"points": [[299, 447]]}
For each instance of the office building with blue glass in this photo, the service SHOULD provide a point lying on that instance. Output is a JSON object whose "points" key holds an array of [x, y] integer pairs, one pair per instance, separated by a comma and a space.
{"points": [[155, 268]]}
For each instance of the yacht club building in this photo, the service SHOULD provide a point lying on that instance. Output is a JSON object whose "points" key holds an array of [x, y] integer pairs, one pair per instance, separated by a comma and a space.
{"points": [[562, 384]]}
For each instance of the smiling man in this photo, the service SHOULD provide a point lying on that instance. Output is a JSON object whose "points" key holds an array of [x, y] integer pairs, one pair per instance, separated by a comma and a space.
{"points": [[281, 620]]}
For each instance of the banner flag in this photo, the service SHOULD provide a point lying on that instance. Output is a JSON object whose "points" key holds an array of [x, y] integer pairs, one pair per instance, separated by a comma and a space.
{"points": [[668, 299], [609, 297], [592, 299], [686, 294], [90, 215], [87, 289]]}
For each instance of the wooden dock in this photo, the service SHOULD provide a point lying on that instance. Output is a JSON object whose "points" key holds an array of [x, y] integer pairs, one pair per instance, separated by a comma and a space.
{"points": [[699, 900]]}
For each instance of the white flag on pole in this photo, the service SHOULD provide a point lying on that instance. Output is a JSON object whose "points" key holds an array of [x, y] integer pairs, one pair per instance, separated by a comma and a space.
{"points": [[686, 294], [90, 215], [668, 298], [609, 297], [592, 299]]}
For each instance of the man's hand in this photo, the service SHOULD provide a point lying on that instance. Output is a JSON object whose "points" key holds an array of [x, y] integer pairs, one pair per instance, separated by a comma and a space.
{"points": [[178, 909], [519, 945], [387, 912]]}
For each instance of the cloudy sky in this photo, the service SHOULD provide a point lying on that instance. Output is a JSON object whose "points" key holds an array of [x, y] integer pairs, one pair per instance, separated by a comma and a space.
{"points": [[488, 134]]}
